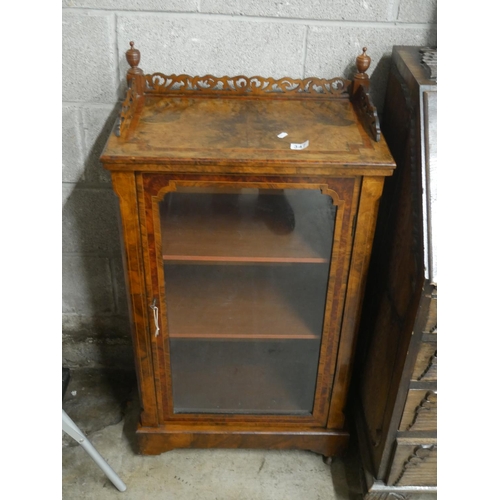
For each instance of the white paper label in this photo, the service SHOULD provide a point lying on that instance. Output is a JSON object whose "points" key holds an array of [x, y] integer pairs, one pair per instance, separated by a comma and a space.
{"points": [[283, 134], [304, 145]]}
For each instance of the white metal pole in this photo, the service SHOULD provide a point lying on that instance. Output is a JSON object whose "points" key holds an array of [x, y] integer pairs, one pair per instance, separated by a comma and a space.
{"points": [[70, 428]]}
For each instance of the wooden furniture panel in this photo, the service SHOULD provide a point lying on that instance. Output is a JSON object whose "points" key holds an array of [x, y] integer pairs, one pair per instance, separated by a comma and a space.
{"points": [[156, 440], [395, 396], [247, 252], [124, 186], [414, 463], [425, 369], [420, 411], [431, 323]]}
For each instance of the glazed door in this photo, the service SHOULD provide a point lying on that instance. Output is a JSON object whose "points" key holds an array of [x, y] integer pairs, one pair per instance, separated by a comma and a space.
{"points": [[245, 281]]}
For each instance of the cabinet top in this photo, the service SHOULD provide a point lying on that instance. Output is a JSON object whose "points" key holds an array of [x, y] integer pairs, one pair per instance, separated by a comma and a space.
{"points": [[240, 124]]}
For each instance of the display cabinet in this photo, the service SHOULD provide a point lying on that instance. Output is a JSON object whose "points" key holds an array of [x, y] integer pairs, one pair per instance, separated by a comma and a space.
{"points": [[248, 207]]}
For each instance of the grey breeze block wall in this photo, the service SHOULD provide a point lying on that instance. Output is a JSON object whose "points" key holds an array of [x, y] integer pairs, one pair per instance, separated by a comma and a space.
{"points": [[276, 38]]}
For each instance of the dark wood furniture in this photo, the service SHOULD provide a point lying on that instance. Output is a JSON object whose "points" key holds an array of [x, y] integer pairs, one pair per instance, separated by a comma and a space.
{"points": [[396, 381], [246, 252]]}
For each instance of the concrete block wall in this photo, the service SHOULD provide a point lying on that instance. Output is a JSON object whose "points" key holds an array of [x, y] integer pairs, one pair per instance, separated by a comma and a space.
{"points": [[221, 37]]}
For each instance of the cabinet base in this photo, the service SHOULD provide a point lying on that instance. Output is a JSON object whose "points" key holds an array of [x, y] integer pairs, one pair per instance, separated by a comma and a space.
{"points": [[156, 440]]}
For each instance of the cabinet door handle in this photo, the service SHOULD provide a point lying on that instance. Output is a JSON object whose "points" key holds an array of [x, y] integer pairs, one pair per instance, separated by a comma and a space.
{"points": [[155, 315]]}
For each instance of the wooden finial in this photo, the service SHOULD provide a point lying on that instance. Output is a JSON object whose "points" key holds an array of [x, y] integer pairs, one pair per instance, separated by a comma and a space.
{"points": [[363, 63], [134, 73], [133, 58], [361, 78], [360, 97]]}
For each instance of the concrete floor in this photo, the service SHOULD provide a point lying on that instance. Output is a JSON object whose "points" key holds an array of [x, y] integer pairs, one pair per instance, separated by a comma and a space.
{"points": [[105, 407]]}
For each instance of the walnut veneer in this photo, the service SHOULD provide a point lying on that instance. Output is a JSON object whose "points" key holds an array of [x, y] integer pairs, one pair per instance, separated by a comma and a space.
{"points": [[238, 247]]}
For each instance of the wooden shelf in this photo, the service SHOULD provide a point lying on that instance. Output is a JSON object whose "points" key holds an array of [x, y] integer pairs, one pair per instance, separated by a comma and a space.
{"points": [[247, 227], [245, 302], [244, 378]]}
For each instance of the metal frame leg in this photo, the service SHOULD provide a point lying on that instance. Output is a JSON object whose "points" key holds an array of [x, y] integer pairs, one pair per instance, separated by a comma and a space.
{"points": [[70, 428]]}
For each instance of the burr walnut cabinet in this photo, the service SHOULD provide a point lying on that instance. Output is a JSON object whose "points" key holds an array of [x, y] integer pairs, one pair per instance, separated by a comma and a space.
{"points": [[396, 382], [248, 207]]}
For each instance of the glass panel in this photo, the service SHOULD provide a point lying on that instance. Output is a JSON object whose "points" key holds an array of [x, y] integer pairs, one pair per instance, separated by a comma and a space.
{"points": [[246, 274]]}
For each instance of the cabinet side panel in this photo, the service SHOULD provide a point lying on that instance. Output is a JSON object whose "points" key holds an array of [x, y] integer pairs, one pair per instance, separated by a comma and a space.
{"points": [[371, 191], [125, 188]]}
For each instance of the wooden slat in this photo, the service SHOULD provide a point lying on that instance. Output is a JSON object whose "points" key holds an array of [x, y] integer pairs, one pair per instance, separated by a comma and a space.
{"points": [[414, 463], [420, 412], [431, 323], [425, 368]]}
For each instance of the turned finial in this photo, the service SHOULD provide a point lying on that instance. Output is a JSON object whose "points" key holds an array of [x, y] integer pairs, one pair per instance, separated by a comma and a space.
{"points": [[363, 63], [134, 72], [361, 79], [133, 57]]}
